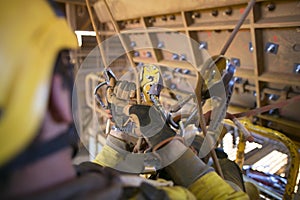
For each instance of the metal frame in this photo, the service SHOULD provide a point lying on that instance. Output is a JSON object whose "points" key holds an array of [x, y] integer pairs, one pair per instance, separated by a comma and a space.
{"points": [[293, 152]]}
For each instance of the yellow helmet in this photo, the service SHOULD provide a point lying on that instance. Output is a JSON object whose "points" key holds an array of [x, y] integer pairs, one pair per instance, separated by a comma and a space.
{"points": [[31, 36]]}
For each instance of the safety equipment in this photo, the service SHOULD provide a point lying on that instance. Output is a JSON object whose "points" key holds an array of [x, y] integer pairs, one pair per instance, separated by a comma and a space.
{"points": [[151, 82], [118, 97], [150, 123], [141, 120], [31, 37]]}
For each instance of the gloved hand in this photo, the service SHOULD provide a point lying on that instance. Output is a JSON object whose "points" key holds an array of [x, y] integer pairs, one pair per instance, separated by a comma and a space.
{"points": [[188, 167], [150, 122], [119, 96], [146, 120]]}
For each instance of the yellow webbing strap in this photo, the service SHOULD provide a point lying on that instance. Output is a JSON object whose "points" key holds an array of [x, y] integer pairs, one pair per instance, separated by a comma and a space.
{"points": [[108, 157]]}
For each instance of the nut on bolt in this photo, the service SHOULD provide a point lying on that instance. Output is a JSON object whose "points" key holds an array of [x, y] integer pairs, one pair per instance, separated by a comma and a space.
{"points": [[228, 11], [196, 15], [271, 6], [215, 13]]}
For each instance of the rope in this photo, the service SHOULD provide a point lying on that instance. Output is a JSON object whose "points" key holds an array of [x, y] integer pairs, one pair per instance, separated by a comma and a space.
{"points": [[97, 34], [137, 82], [237, 27]]}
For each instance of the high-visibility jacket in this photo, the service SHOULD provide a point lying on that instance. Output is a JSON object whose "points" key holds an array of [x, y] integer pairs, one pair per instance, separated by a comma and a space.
{"points": [[210, 186]]}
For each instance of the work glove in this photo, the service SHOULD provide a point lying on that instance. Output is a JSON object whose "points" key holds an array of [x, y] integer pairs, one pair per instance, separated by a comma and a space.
{"points": [[137, 120], [150, 123], [144, 121], [118, 97]]}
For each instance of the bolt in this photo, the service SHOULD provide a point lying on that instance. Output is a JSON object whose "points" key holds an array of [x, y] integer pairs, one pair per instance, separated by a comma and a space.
{"points": [[273, 97], [255, 120], [271, 48], [178, 70], [136, 54], [250, 47], [182, 57], [274, 112], [238, 79], [203, 45], [172, 17], [228, 11], [123, 24], [173, 86], [271, 7], [140, 64], [175, 56], [164, 18], [195, 15], [160, 45], [269, 124], [236, 61], [297, 68], [132, 44], [186, 71], [148, 54], [215, 13], [151, 20]]}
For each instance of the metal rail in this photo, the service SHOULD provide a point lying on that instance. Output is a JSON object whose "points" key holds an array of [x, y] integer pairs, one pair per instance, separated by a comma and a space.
{"points": [[293, 151]]}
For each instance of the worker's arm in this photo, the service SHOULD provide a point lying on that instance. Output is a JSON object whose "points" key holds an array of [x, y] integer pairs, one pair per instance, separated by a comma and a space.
{"points": [[191, 172], [109, 156], [188, 172], [208, 187]]}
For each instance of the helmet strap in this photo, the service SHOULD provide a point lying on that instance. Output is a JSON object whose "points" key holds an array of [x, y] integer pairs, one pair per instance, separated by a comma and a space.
{"points": [[40, 150]]}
